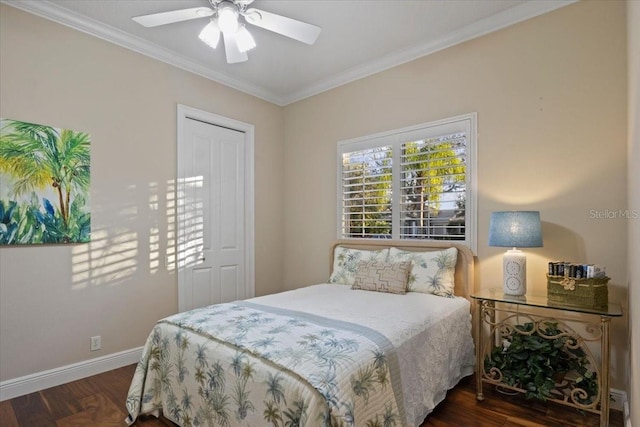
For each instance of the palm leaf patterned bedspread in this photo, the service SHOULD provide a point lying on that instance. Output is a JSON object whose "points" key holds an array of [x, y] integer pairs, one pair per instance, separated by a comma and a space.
{"points": [[247, 364]]}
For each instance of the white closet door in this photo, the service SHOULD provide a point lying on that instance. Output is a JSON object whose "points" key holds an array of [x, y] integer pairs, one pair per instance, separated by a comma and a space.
{"points": [[211, 215]]}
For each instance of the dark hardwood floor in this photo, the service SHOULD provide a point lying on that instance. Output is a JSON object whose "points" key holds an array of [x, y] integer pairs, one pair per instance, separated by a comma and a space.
{"points": [[98, 401]]}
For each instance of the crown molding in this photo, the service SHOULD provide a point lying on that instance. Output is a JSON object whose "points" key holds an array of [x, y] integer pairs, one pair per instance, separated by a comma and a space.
{"points": [[53, 12], [527, 10]]}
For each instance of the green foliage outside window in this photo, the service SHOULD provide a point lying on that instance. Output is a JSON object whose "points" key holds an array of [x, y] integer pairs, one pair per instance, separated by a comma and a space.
{"points": [[429, 170]]}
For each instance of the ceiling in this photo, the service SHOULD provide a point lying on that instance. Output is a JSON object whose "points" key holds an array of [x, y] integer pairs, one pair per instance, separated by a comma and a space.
{"points": [[358, 38]]}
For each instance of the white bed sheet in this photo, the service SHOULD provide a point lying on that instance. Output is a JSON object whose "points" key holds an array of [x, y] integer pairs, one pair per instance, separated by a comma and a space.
{"points": [[432, 335]]}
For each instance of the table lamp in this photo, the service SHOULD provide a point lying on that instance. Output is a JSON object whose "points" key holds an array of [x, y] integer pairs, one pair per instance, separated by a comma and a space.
{"points": [[515, 229]]}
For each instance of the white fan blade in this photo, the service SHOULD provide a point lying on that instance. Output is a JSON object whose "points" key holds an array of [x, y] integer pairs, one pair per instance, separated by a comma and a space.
{"points": [[162, 18], [231, 49], [297, 30]]}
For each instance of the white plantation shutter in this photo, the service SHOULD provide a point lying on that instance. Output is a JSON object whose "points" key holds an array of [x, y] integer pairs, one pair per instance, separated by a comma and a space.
{"points": [[413, 183], [433, 188], [366, 192]]}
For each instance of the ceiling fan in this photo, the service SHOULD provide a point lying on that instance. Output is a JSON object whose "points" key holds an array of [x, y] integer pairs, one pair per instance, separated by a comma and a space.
{"points": [[224, 18]]}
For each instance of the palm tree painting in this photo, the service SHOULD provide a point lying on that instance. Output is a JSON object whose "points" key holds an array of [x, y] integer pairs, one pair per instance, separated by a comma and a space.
{"points": [[44, 184]]}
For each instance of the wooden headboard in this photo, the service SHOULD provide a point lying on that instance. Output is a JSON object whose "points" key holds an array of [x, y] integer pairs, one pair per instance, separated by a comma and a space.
{"points": [[464, 275]]}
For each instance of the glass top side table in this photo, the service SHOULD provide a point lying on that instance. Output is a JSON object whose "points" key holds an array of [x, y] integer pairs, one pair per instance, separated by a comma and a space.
{"points": [[496, 318]]}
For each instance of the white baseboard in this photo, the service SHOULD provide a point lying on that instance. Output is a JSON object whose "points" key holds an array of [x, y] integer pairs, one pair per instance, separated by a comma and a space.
{"points": [[620, 402], [617, 399], [64, 374], [626, 414]]}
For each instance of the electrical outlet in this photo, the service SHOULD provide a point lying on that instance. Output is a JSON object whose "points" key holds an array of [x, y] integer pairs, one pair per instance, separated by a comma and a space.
{"points": [[96, 343]]}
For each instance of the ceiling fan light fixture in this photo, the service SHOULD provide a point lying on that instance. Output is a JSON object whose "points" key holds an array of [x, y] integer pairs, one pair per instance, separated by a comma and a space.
{"points": [[210, 34], [245, 39], [228, 17]]}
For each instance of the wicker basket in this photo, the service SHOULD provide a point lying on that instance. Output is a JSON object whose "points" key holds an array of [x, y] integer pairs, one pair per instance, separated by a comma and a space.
{"points": [[589, 293]]}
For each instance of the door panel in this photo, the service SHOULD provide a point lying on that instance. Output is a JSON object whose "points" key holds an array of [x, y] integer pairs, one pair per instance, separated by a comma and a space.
{"points": [[230, 275], [231, 214], [201, 286], [211, 215]]}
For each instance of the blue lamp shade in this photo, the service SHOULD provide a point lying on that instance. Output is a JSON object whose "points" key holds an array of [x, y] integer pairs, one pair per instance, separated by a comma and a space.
{"points": [[515, 229]]}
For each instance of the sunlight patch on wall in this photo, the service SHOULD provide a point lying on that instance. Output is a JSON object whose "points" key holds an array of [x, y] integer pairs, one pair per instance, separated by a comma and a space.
{"points": [[112, 257], [191, 209], [154, 230], [170, 256], [109, 259]]}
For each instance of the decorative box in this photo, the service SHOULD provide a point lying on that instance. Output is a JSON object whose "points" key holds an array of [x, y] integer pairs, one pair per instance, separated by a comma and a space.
{"points": [[588, 293]]}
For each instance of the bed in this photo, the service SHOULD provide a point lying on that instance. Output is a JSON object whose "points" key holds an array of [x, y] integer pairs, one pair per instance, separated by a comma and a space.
{"points": [[359, 350]]}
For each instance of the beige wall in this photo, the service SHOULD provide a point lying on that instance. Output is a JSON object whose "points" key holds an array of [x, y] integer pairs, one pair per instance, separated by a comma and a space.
{"points": [[633, 23], [550, 94], [53, 75]]}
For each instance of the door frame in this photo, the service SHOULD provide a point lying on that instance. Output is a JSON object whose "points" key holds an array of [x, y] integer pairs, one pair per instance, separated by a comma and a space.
{"points": [[184, 113]]}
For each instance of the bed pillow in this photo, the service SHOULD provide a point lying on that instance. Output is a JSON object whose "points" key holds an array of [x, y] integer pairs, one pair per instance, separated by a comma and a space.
{"points": [[381, 276], [345, 262], [432, 272]]}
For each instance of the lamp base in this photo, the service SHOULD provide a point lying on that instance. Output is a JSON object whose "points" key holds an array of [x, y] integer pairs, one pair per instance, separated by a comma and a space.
{"points": [[514, 272]]}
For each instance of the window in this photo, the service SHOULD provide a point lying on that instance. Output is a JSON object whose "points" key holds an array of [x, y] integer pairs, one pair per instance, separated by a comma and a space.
{"points": [[412, 183]]}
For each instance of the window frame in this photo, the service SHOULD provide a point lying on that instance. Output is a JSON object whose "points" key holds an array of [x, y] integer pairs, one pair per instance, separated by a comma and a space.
{"points": [[395, 138]]}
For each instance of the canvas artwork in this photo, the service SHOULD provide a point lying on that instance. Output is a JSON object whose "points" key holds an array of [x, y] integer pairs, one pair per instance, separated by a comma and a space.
{"points": [[44, 184]]}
